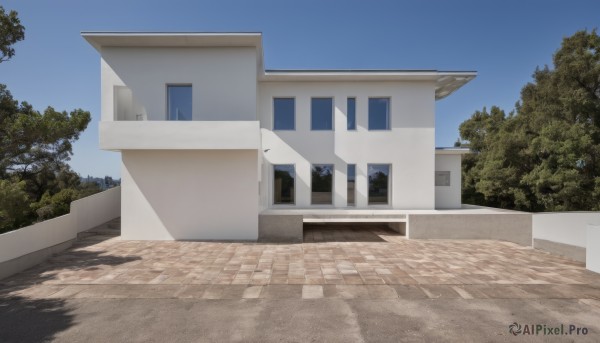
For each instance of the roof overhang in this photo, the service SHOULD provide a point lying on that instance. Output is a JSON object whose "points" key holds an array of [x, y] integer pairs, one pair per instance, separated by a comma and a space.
{"points": [[173, 39], [178, 40], [446, 82], [452, 151]]}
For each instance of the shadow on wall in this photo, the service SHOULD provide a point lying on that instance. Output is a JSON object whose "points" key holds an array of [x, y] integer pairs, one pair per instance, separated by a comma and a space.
{"points": [[208, 194], [25, 318]]}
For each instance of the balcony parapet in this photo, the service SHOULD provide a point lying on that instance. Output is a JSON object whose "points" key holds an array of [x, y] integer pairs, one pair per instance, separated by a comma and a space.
{"points": [[179, 135]]}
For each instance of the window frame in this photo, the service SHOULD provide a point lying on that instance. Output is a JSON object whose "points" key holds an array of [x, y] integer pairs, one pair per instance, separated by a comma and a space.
{"points": [[389, 186], [293, 203], [273, 112], [332, 183], [332, 113], [347, 184], [389, 114], [347, 111], [449, 178], [179, 84]]}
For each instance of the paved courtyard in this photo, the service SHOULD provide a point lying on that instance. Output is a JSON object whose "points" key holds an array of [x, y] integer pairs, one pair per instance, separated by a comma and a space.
{"points": [[369, 268]]}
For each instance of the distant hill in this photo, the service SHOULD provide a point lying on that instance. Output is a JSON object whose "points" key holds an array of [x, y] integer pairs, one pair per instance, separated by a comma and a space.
{"points": [[103, 182]]}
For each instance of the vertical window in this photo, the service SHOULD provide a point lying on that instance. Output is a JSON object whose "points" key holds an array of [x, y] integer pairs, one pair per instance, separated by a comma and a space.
{"points": [[284, 183], [351, 113], [322, 184], [379, 113], [442, 178], [284, 114], [321, 114], [351, 184], [379, 183], [179, 102]]}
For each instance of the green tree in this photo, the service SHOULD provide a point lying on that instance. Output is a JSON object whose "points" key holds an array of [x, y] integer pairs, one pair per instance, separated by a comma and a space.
{"points": [[36, 182], [14, 205], [546, 155], [35, 146], [11, 31]]}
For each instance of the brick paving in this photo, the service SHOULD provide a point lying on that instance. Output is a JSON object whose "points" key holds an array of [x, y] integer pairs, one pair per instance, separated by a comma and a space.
{"points": [[342, 261]]}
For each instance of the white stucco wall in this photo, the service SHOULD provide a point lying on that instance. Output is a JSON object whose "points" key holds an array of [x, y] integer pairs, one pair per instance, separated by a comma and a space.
{"points": [[449, 196], [408, 146], [592, 260], [223, 81], [84, 214], [179, 135], [202, 194], [96, 209], [564, 227]]}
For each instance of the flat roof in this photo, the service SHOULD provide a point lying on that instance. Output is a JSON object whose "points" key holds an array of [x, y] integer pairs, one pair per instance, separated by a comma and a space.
{"points": [[451, 151], [172, 39], [446, 82]]}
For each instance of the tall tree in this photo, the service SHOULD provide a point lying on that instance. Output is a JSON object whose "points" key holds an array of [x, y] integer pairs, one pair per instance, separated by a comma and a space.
{"points": [[35, 146], [11, 31], [545, 156], [35, 180]]}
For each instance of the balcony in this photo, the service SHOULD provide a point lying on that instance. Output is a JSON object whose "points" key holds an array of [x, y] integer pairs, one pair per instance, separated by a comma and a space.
{"points": [[179, 135]]}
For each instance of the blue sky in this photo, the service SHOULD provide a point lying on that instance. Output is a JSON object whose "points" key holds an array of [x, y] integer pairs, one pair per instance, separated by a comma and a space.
{"points": [[503, 41]]}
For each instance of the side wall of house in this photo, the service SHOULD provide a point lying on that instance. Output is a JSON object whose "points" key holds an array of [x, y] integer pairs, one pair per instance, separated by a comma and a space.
{"points": [[449, 197], [409, 145], [199, 194]]}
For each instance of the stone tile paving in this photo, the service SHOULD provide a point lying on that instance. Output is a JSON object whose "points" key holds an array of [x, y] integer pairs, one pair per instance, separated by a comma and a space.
{"points": [[341, 262]]}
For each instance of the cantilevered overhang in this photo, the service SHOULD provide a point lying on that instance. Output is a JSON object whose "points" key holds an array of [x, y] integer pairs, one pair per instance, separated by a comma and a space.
{"points": [[173, 39], [177, 40], [446, 81]]}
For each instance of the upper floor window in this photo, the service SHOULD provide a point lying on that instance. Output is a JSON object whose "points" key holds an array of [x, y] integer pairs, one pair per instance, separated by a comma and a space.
{"points": [[179, 102], [351, 113], [321, 116], [379, 113], [284, 114]]}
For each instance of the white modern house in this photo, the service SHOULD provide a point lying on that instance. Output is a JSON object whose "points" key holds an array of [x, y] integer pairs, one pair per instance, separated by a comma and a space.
{"points": [[211, 141]]}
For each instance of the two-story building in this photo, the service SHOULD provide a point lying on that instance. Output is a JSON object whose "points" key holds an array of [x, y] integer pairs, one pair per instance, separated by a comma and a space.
{"points": [[210, 141]]}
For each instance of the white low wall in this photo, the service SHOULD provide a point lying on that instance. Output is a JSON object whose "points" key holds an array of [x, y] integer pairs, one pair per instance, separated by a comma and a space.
{"points": [[592, 261], [564, 227], [96, 209], [85, 214]]}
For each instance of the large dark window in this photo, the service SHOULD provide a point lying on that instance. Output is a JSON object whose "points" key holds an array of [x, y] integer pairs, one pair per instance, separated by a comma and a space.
{"points": [[284, 114], [379, 113], [321, 114], [179, 102], [322, 184], [379, 183], [284, 183], [351, 113], [351, 184]]}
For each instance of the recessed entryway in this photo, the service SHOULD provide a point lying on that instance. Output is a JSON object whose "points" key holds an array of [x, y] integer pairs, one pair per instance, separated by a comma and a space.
{"points": [[347, 232]]}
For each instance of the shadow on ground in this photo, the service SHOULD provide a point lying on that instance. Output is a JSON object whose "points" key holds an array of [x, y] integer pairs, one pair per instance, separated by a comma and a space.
{"points": [[27, 314]]}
